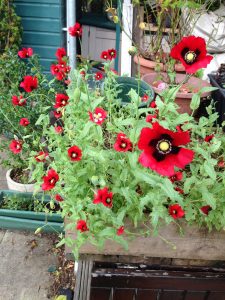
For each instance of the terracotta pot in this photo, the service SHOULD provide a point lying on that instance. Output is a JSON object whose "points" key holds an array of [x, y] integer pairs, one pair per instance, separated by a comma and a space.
{"points": [[149, 66], [182, 99], [16, 186]]}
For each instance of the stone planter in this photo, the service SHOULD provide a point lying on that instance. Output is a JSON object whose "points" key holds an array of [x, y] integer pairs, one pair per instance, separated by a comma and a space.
{"points": [[16, 186], [28, 220], [148, 66], [182, 99]]}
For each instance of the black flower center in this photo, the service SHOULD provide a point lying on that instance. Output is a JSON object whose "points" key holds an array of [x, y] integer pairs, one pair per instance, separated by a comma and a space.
{"points": [[174, 212], [108, 200], [190, 56], [123, 145], [164, 146]]}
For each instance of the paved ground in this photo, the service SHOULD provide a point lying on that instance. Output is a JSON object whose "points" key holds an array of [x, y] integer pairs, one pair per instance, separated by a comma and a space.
{"points": [[23, 270]]}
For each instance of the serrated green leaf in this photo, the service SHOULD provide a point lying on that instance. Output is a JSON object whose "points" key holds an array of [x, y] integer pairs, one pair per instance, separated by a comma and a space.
{"points": [[195, 102]]}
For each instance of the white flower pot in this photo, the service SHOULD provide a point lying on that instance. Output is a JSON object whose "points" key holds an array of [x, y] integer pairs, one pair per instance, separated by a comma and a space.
{"points": [[20, 187]]}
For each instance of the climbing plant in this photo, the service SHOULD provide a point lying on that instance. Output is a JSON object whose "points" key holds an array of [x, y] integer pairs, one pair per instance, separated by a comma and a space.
{"points": [[10, 26]]}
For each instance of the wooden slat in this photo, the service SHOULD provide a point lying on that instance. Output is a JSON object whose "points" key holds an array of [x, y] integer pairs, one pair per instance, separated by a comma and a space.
{"points": [[100, 294], [171, 295], [195, 296], [146, 295], [28, 9], [83, 280], [42, 24], [42, 38], [39, 1], [123, 294], [216, 296]]}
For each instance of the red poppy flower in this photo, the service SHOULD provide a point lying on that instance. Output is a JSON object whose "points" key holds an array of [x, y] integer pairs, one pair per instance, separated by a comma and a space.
{"points": [[60, 53], [24, 122], [18, 101], [221, 163], [191, 52], [67, 82], [82, 226], [15, 146], [58, 129], [75, 153], [112, 53], [162, 151], [123, 143], [145, 98], [57, 113], [56, 70], [153, 104], [206, 209], [179, 190], [208, 138], [98, 76], [120, 230], [75, 30], [177, 176], [150, 118], [61, 100], [83, 74], [29, 83], [41, 157], [58, 198], [25, 52], [50, 180], [105, 55], [98, 116], [176, 211], [104, 196]]}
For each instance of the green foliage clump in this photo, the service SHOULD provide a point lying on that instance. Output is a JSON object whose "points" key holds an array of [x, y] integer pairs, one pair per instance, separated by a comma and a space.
{"points": [[141, 196], [10, 27]]}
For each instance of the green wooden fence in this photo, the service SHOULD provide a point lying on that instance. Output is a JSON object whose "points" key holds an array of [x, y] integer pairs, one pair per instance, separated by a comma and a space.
{"points": [[42, 22]]}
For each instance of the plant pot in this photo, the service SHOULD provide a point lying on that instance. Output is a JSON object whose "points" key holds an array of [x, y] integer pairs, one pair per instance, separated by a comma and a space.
{"points": [[182, 99], [16, 186], [28, 220], [219, 98], [196, 243], [149, 66], [141, 87]]}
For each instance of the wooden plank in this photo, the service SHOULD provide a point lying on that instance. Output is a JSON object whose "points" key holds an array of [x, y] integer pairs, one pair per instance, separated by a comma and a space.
{"points": [[171, 295], [123, 294], [42, 38], [44, 51], [146, 294], [41, 24], [216, 296], [195, 244], [83, 280], [195, 296], [51, 11], [100, 294], [39, 1]]}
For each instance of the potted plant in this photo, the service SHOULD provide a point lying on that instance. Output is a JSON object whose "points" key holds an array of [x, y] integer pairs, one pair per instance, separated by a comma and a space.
{"points": [[218, 80], [26, 92], [27, 212], [124, 172], [191, 52]]}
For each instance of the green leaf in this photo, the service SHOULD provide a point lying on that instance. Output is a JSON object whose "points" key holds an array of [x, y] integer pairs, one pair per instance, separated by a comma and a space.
{"points": [[208, 197], [195, 102], [209, 169], [207, 89], [109, 231]]}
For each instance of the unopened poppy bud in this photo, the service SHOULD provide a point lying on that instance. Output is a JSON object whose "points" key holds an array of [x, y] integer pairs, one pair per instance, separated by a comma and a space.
{"points": [[76, 94], [132, 50], [142, 25]]}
